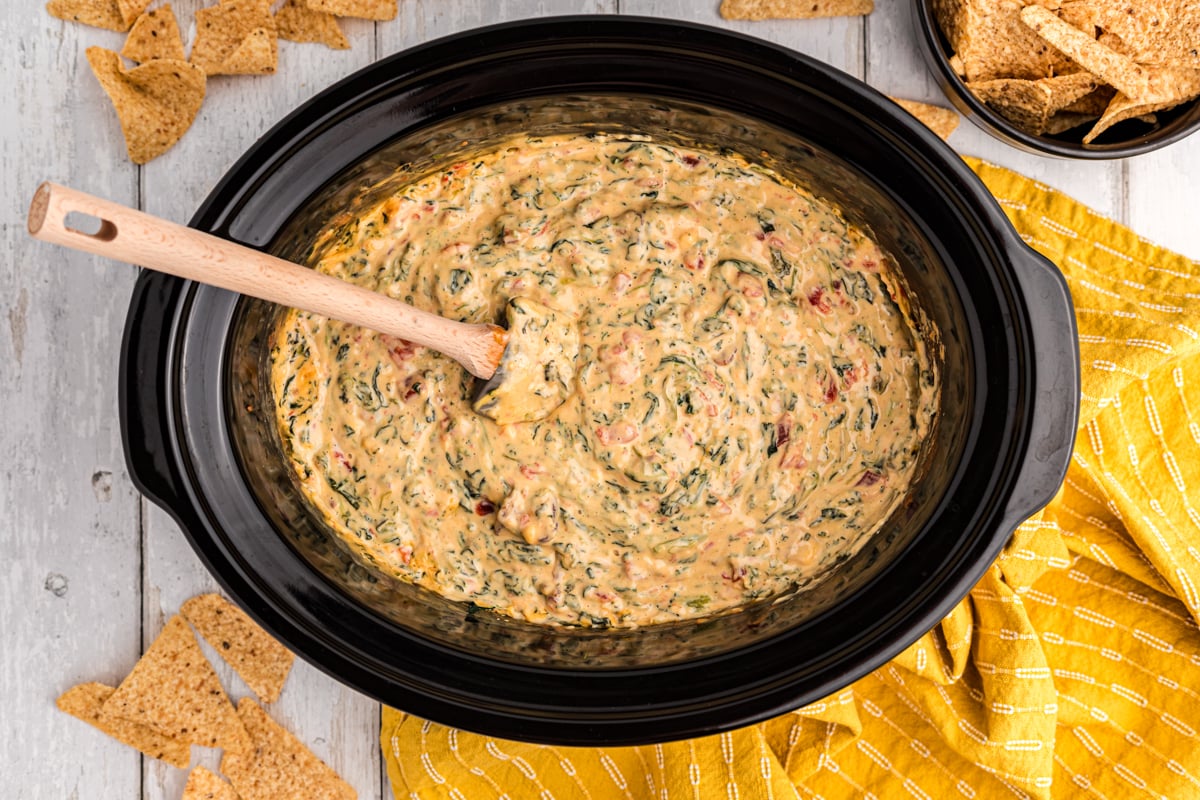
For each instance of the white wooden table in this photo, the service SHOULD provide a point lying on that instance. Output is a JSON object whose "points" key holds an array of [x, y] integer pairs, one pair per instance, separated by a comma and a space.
{"points": [[90, 571]]}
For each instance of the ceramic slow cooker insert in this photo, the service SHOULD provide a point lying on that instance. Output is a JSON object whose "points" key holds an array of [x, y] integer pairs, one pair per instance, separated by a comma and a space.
{"points": [[200, 438]]}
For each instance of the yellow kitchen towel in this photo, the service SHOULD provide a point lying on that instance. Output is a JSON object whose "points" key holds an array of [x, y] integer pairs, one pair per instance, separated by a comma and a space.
{"points": [[1071, 670]]}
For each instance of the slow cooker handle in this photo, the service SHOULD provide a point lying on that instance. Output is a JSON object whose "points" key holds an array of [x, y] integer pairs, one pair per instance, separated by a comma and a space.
{"points": [[1054, 412], [141, 386]]}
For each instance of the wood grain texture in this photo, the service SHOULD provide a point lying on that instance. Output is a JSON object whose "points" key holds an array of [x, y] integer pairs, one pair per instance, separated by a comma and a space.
{"points": [[69, 588], [80, 583], [339, 724], [422, 20], [836, 40], [1164, 196]]}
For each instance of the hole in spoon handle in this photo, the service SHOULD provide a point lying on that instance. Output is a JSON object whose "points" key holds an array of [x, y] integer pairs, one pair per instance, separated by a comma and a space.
{"points": [[86, 224]]}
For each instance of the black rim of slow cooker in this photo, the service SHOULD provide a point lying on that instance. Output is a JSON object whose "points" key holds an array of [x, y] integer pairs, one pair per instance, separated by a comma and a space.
{"points": [[561, 706]]}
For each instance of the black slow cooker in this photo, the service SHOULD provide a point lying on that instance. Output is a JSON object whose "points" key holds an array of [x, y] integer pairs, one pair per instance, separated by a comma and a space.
{"points": [[199, 430]]}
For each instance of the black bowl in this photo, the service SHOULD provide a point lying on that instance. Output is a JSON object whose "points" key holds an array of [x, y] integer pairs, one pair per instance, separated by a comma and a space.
{"points": [[200, 438], [1129, 138]]}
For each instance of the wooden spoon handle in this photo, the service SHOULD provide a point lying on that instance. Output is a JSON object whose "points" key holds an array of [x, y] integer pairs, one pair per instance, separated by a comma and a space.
{"points": [[126, 234]]}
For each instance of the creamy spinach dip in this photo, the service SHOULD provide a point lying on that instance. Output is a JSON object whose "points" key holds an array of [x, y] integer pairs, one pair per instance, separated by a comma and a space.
{"points": [[748, 405]]}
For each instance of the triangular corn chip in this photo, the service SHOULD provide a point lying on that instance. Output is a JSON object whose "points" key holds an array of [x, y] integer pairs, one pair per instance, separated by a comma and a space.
{"points": [[130, 10], [222, 31], [154, 35], [97, 13], [991, 42], [366, 9], [174, 690], [204, 785], [794, 9], [1161, 32], [299, 23], [1121, 109], [279, 765], [258, 54], [155, 102], [1031, 104], [1143, 84], [86, 701], [1078, 14], [1093, 103], [262, 662], [942, 121], [1064, 121]]}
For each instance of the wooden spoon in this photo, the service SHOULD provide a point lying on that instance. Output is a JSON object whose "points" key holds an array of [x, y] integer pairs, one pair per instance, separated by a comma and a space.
{"points": [[543, 347]]}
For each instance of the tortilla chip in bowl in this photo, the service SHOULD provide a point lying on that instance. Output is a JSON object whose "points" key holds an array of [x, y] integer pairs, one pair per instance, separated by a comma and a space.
{"points": [[1058, 79]]}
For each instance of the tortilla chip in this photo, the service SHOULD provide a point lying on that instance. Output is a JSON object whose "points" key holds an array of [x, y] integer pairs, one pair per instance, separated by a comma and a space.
{"points": [[235, 37], [258, 54], [366, 9], [1121, 109], [85, 702], [991, 42], [174, 690], [262, 662], [155, 102], [299, 23], [130, 10], [1145, 84], [97, 13], [1093, 103], [1114, 43], [155, 35], [1064, 121], [942, 121], [794, 9], [1031, 104], [204, 785], [279, 765], [1078, 14], [1159, 32]]}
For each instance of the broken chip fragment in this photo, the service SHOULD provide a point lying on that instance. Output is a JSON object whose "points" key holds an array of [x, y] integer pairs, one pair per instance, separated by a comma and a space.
{"points": [[942, 121], [794, 9]]}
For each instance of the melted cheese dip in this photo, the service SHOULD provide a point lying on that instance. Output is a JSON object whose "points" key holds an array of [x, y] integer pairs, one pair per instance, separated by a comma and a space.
{"points": [[748, 404]]}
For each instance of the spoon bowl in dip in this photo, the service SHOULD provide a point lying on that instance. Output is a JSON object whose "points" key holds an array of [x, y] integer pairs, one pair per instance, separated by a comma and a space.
{"points": [[528, 368], [537, 369]]}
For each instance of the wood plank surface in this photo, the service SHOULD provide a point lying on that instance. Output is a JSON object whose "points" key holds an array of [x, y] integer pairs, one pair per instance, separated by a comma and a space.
{"points": [[92, 572], [422, 20], [837, 40], [1163, 203], [340, 725], [69, 591]]}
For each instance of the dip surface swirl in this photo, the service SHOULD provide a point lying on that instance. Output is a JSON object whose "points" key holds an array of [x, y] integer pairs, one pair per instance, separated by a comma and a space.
{"points": [[748, 406]]}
